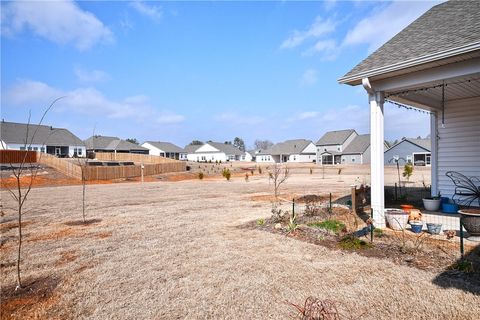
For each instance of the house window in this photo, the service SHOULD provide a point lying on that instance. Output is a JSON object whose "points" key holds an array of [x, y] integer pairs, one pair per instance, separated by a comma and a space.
{"points": [[79, 151], [204, 158], [42, 149], [294, 158], [338, 148], [29, 148], [353, 159], [325, 149], [22, 148]]}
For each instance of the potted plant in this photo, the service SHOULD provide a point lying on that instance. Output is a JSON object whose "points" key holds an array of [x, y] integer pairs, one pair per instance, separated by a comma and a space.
{"points": [[397, 219], [432, 203], [416, 226], [434, 228], [471, 222]]}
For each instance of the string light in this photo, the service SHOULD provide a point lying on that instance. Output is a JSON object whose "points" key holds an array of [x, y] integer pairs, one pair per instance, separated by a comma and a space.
{"points": [[401, 105]]}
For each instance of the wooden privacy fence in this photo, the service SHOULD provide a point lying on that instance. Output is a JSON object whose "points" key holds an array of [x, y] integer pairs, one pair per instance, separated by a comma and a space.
{"points": [[64, 166], [18, 156], [140, 158], [121, 172]]}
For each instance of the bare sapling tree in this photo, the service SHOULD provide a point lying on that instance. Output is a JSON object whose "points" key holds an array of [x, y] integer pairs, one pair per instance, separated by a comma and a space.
{"points": [[278, 175], [21, 191], [83, 164]]}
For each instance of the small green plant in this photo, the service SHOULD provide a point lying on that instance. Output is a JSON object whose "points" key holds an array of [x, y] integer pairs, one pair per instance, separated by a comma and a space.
{"points": [[463, 265], [377, 232], [226, 174], [332, 225], [261, 222], [351, 242], [407, 171], [292, 224], [201, 175]]}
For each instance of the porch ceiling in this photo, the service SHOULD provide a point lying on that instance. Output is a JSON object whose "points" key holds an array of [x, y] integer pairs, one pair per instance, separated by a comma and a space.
{"points": [[429, 95]]}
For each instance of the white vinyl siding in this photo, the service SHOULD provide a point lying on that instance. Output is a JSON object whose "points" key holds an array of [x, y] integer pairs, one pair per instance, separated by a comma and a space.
{"points": [[458, 142]]}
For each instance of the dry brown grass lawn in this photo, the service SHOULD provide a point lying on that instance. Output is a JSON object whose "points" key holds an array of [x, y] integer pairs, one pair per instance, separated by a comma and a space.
{"points": [[168, 250]]}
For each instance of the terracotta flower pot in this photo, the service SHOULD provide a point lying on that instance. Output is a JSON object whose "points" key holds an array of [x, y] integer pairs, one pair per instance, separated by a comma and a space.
{"points": [[406, 207]]}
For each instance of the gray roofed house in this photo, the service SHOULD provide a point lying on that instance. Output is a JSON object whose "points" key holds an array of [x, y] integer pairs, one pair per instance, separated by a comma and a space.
{"points": [[55, 141], [228, 149], [416, 151], [100, 143], [215, 151], [191, 148], [296, 150], [165, 149], [359, 145], [443, 31], [335, 137]]}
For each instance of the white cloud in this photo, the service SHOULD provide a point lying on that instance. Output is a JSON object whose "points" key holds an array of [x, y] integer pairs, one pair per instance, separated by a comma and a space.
{"points": [[309, 78], [88, 101], [328, 48], [153, 12], [170, 118], [385, 22], [62, 22], [91, 75], [236, 119], [306, 115], [318, 28]]}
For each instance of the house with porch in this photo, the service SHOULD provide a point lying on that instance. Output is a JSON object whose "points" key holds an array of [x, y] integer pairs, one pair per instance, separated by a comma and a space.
{"points": [[297, 150], [100, 143], [165, 149], [433, 66], [415, 151], [343, 147], [55, 141], [214, 151]]}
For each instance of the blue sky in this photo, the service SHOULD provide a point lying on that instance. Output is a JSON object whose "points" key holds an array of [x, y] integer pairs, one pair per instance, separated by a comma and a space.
{"points": [[178, 71]]}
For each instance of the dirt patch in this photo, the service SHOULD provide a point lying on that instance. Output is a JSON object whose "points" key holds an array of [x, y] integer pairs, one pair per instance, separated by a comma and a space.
{"points": [[102, 235], [66, 257], [7, 226], [56, 235], [311, 198], [36, 296], [271, 198], [85, 223]]}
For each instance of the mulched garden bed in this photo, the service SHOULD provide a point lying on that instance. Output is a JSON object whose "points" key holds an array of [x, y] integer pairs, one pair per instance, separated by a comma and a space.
{"points": [[403, 248]]}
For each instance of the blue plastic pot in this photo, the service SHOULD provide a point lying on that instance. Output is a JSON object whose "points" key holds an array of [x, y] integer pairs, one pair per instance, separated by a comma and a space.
{"points": [[444, 200], [416, 226], [449, 208]]}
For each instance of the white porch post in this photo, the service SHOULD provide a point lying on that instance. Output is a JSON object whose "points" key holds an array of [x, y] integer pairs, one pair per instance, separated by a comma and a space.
{"points": [[376, 100], [434, 152]]}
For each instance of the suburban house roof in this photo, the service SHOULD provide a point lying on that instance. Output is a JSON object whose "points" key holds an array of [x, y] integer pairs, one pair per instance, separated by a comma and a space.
{"points": [[12, 132], [335, 137], [445, 31], [111, 143], [191, 148], [166, 146], [228, 149], [425, 144], [359, 145], [287, 147]]}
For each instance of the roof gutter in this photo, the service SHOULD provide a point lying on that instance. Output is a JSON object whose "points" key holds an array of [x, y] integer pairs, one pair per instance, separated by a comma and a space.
{"points": [[410, 63]]}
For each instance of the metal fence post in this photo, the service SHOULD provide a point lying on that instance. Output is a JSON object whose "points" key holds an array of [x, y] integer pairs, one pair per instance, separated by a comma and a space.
{"points": [[293, 208]]}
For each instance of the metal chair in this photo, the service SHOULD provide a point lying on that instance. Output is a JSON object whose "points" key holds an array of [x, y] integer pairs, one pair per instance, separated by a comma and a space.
{"points": [[467, 189]]}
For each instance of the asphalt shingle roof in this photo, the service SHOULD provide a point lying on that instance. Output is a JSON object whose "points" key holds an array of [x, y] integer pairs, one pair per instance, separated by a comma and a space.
{"points": [[111, 143], [191, 148], [12, 132], [287, 147], [424, 143], [334, 137], [166, 146], [228, 149], [447, 26], [359, 145]]}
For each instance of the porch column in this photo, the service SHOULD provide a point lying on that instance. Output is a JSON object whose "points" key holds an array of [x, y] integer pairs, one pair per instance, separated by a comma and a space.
{"points": [[434, 152], [376, 100]]}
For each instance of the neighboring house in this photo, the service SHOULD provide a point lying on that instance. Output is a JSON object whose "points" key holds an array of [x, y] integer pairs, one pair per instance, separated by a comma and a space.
{"points": [[357, 151], [248, 156], [214, 151], [165, 149], [298, 150], [331, 145], [432, 65], [55, 141], [99, 143], [416, 151]]}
